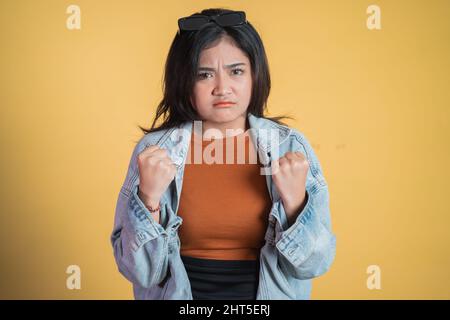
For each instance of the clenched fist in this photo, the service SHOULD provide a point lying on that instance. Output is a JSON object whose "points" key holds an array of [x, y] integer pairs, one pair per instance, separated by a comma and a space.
{"points": [[156, 171], [289, 174]]}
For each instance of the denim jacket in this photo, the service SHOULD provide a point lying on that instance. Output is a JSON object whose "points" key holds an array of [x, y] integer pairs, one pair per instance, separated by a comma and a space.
{"points": [[147, 253]]}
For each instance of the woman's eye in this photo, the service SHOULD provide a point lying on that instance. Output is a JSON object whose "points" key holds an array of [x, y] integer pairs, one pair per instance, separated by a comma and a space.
{"points": [[203, 75]]}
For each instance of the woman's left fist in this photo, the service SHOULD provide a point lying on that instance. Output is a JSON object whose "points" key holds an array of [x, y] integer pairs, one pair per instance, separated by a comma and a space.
{"points": [[289, 174]]}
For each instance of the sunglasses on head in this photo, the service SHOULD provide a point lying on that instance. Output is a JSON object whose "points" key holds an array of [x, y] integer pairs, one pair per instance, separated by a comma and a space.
{"points": [[196, 22]]}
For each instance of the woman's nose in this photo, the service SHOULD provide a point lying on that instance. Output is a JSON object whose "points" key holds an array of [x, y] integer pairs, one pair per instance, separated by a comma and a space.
{"points": [[222, 85]]}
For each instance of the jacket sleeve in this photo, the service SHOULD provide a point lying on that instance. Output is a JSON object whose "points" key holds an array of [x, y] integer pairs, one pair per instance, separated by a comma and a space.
{"points": [[307, 248], [140, 243]]}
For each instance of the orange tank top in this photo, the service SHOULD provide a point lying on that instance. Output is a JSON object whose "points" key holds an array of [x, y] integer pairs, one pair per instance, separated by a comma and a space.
{"points": [[224, 205]]}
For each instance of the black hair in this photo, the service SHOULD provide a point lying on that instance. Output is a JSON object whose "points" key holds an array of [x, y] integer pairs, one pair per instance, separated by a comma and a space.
{"points": [[182, 63]]}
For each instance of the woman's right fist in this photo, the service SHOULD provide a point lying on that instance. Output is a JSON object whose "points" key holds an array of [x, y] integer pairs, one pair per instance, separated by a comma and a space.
{"points": [[156, 171]]}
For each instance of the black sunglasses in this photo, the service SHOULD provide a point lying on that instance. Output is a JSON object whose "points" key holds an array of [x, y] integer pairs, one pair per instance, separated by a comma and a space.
{"points": [[228, 19]]}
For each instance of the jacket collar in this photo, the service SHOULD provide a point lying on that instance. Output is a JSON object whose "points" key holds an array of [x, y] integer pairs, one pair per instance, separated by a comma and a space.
{"points": [[266, 134]]}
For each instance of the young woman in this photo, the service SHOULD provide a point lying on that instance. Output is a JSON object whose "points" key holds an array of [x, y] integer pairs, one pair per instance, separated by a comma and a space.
{"points": [[221, 202]]}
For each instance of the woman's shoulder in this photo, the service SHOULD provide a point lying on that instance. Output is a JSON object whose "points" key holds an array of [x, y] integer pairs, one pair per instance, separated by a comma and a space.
{"points": [[149, 139], [287, 131], [296, 140]]}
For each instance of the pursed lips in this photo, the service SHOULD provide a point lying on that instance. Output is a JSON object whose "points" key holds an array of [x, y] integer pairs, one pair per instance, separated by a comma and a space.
{"points": [[223, 104]]}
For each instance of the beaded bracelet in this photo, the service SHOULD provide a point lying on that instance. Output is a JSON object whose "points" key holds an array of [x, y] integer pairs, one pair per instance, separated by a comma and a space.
{"points": [[153, 210]]}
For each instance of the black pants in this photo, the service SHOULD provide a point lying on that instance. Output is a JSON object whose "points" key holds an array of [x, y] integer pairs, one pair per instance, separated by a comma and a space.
{"points": [[222, 279]]}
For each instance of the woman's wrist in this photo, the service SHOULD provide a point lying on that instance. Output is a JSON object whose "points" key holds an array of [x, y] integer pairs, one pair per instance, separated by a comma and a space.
{"points": [[152, 203], [153, 207]]}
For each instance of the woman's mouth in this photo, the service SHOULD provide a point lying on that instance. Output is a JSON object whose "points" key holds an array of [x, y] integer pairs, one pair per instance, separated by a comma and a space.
{"points": [[223, 104]]}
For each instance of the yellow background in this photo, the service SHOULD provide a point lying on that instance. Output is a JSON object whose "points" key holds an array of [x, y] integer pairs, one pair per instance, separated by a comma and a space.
{"points": [[374, 104]]}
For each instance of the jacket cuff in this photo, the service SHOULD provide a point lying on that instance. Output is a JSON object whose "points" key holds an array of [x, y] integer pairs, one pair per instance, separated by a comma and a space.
{"points": [[145, 226], [296, 243]]}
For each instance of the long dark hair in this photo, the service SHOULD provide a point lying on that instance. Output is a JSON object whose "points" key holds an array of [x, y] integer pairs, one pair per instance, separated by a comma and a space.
{"points": [[181, 70]]}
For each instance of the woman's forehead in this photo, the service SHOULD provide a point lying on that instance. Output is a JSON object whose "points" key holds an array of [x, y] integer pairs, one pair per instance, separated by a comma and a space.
{"points": [[225, 51]]}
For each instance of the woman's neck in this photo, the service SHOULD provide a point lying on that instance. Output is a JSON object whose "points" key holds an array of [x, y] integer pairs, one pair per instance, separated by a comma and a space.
{"points": [[227, 129]]}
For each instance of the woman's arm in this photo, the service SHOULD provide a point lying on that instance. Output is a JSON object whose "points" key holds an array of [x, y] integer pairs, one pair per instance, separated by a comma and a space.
{"points": [[140, 243], [307, 247]]}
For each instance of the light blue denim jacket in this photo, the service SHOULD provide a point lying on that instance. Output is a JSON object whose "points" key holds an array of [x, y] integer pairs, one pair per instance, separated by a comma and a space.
{"points": [[147, 253]]}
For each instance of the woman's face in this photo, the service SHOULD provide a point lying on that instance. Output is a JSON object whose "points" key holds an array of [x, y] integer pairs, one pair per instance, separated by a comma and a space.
{"points": [[224, 74]]}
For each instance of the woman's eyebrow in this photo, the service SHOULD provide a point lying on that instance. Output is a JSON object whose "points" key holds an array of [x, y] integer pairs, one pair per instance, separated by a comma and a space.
{"points": [[228, 66]]}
